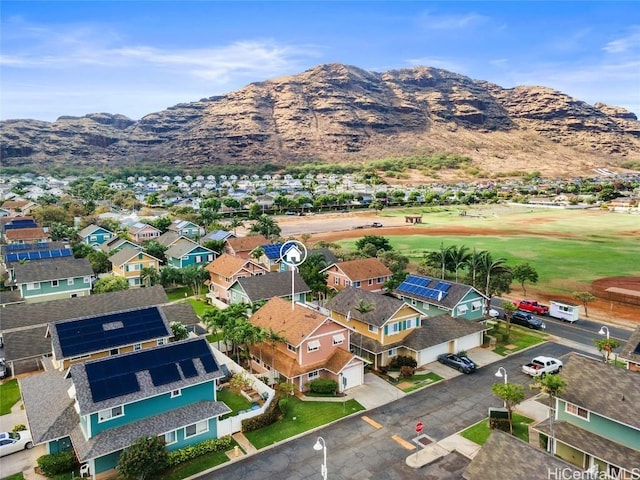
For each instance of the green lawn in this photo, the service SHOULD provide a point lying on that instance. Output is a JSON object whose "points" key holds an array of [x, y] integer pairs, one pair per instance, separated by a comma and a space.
{"points": [[178, 293], [15, 476], [580, 242], [9, 395], [199, 306], [197, 465], [234, 401], [479, 432], [420, 381], [300, 417], [519, 336]]}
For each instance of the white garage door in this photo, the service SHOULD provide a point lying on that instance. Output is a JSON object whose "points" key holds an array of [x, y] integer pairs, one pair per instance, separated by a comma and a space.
{"points": [[430, 354], [353, 376], [469, 342]]}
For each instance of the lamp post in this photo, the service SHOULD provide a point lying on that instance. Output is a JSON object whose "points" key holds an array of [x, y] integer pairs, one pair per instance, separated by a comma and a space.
{"points": [[604, 330], [502, 373], [321, 445]]}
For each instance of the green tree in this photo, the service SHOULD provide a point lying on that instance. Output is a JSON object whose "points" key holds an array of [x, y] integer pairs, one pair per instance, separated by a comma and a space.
{"points": [[235, 223], [179, 331], [458, 256], [508, 308], [110, 284], [254, 211], [551, 385], [149, 276], [585, 298], [311, 272], [266, 226], [605, 346], [365, 307], [491, 268], [170, 276], [524, 272], [194, 276], [146, 458], [512, 394], [161, 223], [474, 264], [99, 261], [155, 249], [439, 259], [380, 243]]}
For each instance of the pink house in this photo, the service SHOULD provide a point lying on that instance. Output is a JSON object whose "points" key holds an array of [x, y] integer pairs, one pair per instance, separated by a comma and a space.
{"points": [[225, 270], [141, 232], [364, 273], [312, 346]]}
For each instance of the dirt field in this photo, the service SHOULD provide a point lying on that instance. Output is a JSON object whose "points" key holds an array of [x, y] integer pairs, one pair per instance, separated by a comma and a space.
{"points": [[335, 227]]}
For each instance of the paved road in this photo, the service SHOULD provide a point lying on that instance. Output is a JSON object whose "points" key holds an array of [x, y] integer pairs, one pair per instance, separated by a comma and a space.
{"points": [[357, 450]]}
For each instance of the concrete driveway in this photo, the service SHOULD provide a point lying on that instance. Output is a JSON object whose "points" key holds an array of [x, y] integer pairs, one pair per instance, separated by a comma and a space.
{"points": [[375, 392], [26, 460]]}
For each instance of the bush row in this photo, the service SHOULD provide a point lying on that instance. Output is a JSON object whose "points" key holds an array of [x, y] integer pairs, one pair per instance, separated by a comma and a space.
{"points": [[272, 415], [322, 385], [57, 463], [208, 446]]}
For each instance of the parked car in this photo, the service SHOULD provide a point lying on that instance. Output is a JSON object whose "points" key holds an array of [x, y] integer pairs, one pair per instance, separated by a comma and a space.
{"points": [[11, 442], [3, 368], [532, 306], [540, 366], [376, 225], [527, 320], [461, 363]]}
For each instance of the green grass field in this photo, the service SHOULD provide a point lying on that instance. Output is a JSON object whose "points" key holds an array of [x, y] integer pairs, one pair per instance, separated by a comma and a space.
{"points": [[9, 395], [568, 248], [479, 433]]}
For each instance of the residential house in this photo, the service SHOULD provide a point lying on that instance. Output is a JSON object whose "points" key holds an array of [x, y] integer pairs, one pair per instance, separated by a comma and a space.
{"points": [[631, 351], [17, 253], [243, 246], [384, 327], [596, 424], [103, 406], [270, 255], [186, 252], [98, 336], [141, 232], [26, 235], [225, 270], [95, 235], [46, 280], [365, 273], [168, 238], [506, 456], [433, 296], [24, 326], [325, 253], [186, 229], [217, 235], [129, 262], [18, 207], [116, 244], [251, 290], [314, 347]]}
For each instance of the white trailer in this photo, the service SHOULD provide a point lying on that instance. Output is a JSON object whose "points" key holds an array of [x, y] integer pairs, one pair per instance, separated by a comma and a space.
{"points": [[564, 311]]}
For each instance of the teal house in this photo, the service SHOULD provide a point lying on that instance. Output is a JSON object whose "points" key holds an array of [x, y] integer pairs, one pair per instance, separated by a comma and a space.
{"points": [[103, 406], [116, 244], [186, 229], [596, 425], [185, 252], [432, 296], [95, 235], [251, 290], [43, 280]]}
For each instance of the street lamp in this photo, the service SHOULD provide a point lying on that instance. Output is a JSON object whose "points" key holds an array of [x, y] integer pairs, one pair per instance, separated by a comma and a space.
{"points": [[604, 330], [500, 374], [321, 445]]}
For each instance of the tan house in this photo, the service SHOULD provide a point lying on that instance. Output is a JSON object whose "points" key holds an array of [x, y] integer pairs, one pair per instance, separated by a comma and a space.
{"points": [[225, 270], [141, 232], [243, 246], [129, 262], [26, 235], [18, 207], [365, 273], [314, 346]]}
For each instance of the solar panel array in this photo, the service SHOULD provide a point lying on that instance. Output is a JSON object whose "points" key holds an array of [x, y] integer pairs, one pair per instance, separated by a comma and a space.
{"points": [[19, 247], [273, 251], [425, 287], [87, 335], [38, 255], [17, 224], [116, 376]]}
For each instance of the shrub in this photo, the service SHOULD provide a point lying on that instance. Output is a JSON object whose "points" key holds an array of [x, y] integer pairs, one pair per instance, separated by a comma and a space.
{"points": [[400, 361], [19, 427], [282, 404], [272, 415], [407, 371], [208, 446], [57, 463], [323, 385]]}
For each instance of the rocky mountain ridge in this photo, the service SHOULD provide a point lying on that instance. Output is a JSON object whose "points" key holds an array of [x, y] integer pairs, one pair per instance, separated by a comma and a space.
{"points": [[337, 113]]}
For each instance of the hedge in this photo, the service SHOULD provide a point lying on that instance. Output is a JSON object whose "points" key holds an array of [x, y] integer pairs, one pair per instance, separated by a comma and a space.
{"points": [[208, 446], [272, 415], [323, 385], [57, 463]]}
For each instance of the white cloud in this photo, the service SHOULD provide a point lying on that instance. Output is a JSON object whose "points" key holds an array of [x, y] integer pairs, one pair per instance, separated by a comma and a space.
{"points": [[625, 44]]}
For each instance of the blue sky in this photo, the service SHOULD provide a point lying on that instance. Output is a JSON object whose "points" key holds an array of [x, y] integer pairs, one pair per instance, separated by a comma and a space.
{"points": [[135, 58]]}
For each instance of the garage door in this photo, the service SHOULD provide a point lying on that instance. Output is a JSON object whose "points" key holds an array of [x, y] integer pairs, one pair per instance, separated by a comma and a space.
{"points": [[430, 354], [469, 342], [353, 376]]}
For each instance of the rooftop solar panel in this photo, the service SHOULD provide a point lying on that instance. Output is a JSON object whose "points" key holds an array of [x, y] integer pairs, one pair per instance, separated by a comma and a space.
{"points": [[209, 363], [188, 368], [11, 257], [164, 374]]}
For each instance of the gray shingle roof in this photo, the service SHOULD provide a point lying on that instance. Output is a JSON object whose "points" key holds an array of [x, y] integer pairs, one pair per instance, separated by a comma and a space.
{"points": [[124, 255], [327, 254], [10, 296], [348, 299], [600, 388], [88, 230], [441, 329], [59, 269], [182, 247], [631, 350], [262, 287], [505, 456], [180, 312], [455, 294], [147, 388], [116, 243], [167, 238], [28, 342], [593, 444]]}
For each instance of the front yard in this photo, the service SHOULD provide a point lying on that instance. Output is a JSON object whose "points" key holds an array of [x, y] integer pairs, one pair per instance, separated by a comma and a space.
{"points": [[479, 433], [519, 338], [9, 395]]}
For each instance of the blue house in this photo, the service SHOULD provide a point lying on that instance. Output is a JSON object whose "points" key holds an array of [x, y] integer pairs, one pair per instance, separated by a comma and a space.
{"points": [[95, 235], [103, 406], [432, 296], [186, 252], [186, 229]]}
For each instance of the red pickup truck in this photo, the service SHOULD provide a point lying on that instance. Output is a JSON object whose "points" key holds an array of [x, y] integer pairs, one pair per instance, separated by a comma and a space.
{"points": [[532, 306]]}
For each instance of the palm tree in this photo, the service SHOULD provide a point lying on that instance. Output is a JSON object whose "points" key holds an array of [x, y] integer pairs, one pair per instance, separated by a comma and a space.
{"points": [[439, 259], [474, 264], [492, 267], [149, 276], [459, 257], [552, 385], [235, 223]]}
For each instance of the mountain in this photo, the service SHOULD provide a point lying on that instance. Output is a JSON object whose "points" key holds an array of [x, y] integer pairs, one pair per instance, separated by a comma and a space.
{"points": [[336, 113]]}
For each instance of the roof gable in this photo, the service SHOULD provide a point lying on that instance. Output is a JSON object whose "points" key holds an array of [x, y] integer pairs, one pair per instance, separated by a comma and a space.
{"points": [[435, 291], [246, 244], [347, 301], [261, 287], [228, 265], [127, 254], [362, 269], [45, 270], [185, 247]]}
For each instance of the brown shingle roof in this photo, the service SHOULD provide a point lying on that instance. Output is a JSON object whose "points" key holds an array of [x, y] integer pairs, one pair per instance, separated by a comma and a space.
{"points": [[295, 325], [246, 244], [226, 265], [383, 306], [363, 269], [25, 234]]}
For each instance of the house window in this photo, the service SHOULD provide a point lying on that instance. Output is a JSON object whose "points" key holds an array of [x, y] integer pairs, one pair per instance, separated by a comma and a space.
{"points": [[336, 281], [93, 238], [347, 283], [87, 279], [196, 429], [380, 279], [114, 351], [198, 258], [314, 375], [110, 413], [577, 411], [33, 286], [475, 306], [137, 347], [70, 281], [55, 283], [160, 341], [370, 282], [176, 393], [395, 327], [413, 301], [291, 348], [169, 438], [356, 284], [313, 346], [393, 352], [373, 329], [338, 339], [210, 257], [462, 309]]}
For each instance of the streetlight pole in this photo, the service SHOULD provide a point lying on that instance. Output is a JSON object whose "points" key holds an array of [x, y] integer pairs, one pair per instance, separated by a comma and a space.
{"points": [[502, 373], [604, 330], [321, 445]]}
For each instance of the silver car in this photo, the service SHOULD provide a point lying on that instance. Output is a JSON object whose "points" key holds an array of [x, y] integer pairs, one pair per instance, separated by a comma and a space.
{"points": [[12, 442]]}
